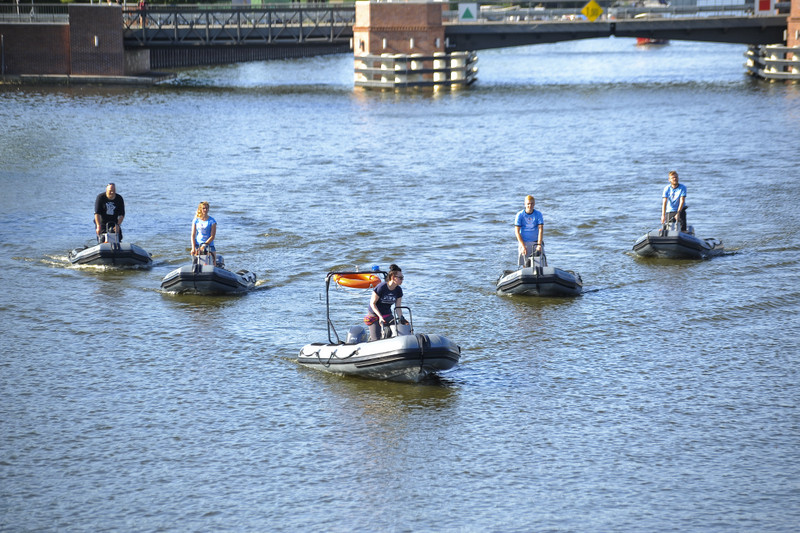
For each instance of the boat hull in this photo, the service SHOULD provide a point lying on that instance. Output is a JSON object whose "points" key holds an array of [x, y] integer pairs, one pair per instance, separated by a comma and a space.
{"points": [[406, 358], [544, 281], [111, 254], [208, 279], [674, 244]]}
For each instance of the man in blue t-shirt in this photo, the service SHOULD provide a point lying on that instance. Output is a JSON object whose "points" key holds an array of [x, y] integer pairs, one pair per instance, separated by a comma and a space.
{"points": [[674, 196], [529, 227]]}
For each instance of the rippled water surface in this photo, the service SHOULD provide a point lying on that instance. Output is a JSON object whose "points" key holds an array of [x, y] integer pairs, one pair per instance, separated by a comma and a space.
{"points": [[665, 398]]}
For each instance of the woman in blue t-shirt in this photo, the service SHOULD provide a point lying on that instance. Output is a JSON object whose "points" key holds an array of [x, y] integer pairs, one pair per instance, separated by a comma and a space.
{"points": [[383, 297], [204, 229]]}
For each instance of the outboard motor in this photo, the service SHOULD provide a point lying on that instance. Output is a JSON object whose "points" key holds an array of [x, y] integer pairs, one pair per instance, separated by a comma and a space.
{"points": [[356, 335]]}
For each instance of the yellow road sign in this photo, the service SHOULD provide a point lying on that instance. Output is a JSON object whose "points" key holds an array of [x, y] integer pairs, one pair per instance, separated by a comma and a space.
{"points": [[592, 10]]}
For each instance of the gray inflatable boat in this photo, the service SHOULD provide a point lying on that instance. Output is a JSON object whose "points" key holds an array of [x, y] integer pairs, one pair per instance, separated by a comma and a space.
{"points": [[671, 243], [536, 278], [202, 277], [402, 355], [112, 253]]}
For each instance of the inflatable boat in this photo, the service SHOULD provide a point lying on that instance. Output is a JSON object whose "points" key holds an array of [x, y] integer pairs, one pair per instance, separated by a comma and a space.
{"points": [[402, 355], [536, 278], [669, 242], [110, 252], [202, 277]]}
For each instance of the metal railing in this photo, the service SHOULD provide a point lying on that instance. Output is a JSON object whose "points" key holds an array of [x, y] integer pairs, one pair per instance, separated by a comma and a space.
{"points": [[332, 22], [393, 71], [34, 13], [774, 62], [495, 11], [295, 23]]}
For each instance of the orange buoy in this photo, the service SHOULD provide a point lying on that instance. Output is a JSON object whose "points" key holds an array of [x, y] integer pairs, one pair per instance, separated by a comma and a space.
{"points": [[357, 281]]}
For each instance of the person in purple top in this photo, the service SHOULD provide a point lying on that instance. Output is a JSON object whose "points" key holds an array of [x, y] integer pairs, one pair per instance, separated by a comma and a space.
{"points": [[674, 197], [388, 293]]}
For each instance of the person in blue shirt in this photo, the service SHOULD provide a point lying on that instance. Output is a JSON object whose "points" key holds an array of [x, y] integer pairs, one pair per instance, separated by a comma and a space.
{"points": [[204, 230], [529, 228], [674, 198], [386, 294]]}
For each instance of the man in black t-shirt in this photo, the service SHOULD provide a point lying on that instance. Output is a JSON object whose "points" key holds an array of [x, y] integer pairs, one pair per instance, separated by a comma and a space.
{"points": [[109, 208]]}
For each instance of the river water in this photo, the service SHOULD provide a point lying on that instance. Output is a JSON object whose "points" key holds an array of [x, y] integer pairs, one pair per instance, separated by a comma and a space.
{"points": [[664, 398]]}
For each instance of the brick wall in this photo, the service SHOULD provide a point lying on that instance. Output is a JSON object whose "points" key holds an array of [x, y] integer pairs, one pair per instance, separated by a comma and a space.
{"points": [[95, 38], [35, 48]]}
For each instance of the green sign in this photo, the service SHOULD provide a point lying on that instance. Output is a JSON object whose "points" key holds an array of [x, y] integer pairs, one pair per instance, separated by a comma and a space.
{"points": [[468, 12]]}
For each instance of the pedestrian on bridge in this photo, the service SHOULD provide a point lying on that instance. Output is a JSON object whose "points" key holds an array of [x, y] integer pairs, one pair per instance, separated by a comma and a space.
{"points": [[142, 13]]}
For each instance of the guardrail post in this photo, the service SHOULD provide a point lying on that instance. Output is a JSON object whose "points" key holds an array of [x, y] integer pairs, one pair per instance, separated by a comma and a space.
{"points": [[269, 26], [300, 30]]}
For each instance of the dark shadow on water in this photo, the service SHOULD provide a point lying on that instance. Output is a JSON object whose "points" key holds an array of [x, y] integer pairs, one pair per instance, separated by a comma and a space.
{"points": [[108, 272], [188, 300], [661, 261], [522, 300], [666, 262], [433, 390]]}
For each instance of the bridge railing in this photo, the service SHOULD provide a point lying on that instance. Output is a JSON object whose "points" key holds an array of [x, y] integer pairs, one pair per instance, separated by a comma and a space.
{"points": [[214, 23], [337, 14], [34, 13], [559, 10]]}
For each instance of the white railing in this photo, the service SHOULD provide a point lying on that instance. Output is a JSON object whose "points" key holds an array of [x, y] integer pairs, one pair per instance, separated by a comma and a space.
{"points": [[396, 71], [773, 62]]}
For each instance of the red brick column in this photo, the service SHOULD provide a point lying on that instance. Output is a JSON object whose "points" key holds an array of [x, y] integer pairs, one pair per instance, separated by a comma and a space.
{"points": [[793, 25], [390, 28]]}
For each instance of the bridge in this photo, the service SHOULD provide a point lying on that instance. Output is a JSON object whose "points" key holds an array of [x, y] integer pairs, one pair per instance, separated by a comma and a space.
{"points": [[164, 36], [517, 26], [494, 25]]}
